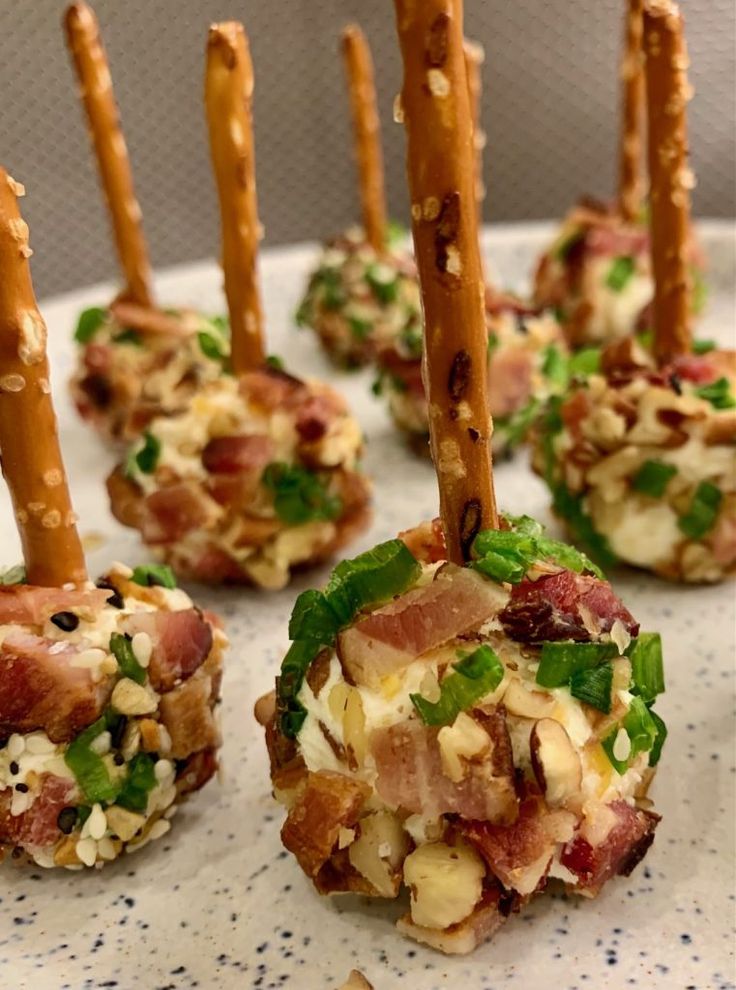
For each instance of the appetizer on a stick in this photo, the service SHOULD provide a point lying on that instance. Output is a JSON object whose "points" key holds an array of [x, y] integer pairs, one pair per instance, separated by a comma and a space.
{"points": [[597, 274], [640, 459], [364, 288], [258, 475], [464, 710], [135, 360], [107, 692]]}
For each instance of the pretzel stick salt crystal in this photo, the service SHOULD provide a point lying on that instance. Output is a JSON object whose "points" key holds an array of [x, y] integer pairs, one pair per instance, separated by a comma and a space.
{"points": [[90, 61], [441, 159], [474, 56], [228, 99], [670, 178], [632, 75], [367, 133], [31, 459]]}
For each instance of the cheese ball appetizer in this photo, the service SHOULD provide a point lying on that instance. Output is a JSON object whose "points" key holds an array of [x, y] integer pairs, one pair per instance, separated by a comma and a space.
{"points": [[359, 299], [108, 699], [125, 377], [527, 362], [471, 733], [107, 692], [257, 477], [597, 273], [640, 459], [597, 276], [134, 360]]}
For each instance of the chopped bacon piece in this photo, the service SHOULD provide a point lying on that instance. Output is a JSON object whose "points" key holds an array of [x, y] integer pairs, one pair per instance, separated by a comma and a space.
{"points": [[125, 498], [98, 358], [196, 770], [329, 802], [314, 414], [509, 379], [38, 825], [181, 642], [722, 538], [616, 241], [272, 389], [704, 368], [520, 853], [42, 690], [30, 606], [426, 542], [235, 454], [187, 714], [620, 852], [169, 513], [456, 602], [411, 775], [563, 606]]}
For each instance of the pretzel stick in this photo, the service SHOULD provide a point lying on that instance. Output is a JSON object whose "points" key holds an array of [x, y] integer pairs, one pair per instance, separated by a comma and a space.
{"points": [[632, 106], [90, 61], [31, 459], [228, 100], [440, 166], [670, 178], [474, 56], [367, 134]]}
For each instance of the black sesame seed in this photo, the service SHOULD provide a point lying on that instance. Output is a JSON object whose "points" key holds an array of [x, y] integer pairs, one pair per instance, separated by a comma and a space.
{"points": [[66, 621], [118, 759], [676, 383], [66, 820], [14, 768], [22, 788], [117, 731], [115, 599]]}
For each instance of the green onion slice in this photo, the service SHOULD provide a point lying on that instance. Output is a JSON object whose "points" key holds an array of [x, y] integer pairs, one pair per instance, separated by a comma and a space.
{"points": [[90, 321], [122, 650], [653, 477], [88, 767], [560, 661], [620, 273], [647, 667], [139, 782], [593, 686], [299, 495], [154, 575], [474, 677], [703, 512], [718, 393]]}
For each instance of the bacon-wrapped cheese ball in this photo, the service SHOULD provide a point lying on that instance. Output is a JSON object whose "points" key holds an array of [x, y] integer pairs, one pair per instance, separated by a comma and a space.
{"points": [[527, 362], [358, 299], [134, 360], [124, 377], [597, 276], [257, 477], [641, 464], [107, 693], [472, 733], [108, 700], [640, 459]]}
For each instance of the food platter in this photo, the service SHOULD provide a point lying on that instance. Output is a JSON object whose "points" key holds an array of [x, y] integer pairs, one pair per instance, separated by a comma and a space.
{"points": [[218, 904]]}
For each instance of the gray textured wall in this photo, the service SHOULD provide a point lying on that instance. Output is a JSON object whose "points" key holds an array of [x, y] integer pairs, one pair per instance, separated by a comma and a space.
{"points": [[549, 110]]}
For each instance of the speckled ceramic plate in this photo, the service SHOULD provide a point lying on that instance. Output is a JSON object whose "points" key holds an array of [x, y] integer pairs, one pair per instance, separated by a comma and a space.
{"points": [[217, 904]]}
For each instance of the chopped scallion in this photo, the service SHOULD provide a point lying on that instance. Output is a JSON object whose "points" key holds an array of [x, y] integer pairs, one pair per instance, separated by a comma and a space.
{"points": [[473, 678], [620, 273], [299, 495], [154, 575], [122, 650], [647, 667], [561, 660], [718, 393], [703, 512], [139, 782], [593, 686], [653, 477], [90, 321]]}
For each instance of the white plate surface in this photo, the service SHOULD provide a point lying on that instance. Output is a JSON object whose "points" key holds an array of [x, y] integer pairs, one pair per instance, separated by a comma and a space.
{"points": [[217, 904]]}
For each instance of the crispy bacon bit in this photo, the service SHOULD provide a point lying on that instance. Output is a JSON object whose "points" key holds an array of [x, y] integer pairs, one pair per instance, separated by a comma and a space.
{"points": [[411, 776], [196, 770], [272, 389], [622, 850], [236, 454], [457, 601], [169, 513], [42, 690], [187, 714], [38, 825], [509, 379], [31, 606], [181, 643], [426, 542], [519, 854], [328, 803], [563, 606], [313, 416]]}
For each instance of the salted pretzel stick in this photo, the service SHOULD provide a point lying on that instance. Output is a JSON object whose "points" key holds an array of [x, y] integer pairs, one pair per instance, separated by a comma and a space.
{"points": [[367, 134], [90, 61], [670, 178], [632, 107], [31, 459], [440, 164], [228, 100], [474, 56]]}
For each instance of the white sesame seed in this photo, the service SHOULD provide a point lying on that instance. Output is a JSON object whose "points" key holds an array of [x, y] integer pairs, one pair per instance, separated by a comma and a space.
{"points": [[106, 848], [16, 745], [86, 850], [622, 745], [101, 744], [159, 828], [163, 769], [142, 648], [39, 743], [97, 822], [88, 658]]}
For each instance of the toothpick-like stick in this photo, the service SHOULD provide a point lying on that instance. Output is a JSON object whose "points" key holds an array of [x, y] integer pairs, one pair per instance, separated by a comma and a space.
{"points": [[31, 459], [95, 85], [441, 158], [632, 108], [474, 58], [671, 180], [228, 99], [367, 134]]}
